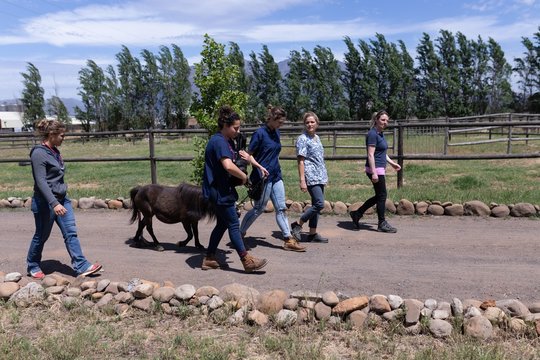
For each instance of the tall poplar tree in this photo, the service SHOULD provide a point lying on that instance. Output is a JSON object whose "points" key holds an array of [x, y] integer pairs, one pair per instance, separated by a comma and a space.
{"points": [[175, 95], [328, 92], [92, 92], [351, 77], [266, 83], [430, 103], [297, 94], [32, 96]]}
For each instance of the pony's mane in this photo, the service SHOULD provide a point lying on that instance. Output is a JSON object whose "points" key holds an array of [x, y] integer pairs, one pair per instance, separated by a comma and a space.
{"points": [[192, 195]]}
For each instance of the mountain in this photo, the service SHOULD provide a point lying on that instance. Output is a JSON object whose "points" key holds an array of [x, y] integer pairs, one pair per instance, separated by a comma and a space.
{"points": [[71, 103], [15, 105]]}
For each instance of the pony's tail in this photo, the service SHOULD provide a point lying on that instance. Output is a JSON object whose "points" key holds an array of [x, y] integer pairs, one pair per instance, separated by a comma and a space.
{"points": [[134, 210]]}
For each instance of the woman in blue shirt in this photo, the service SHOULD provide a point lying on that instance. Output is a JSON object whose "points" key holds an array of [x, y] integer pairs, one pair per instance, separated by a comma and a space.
{"points": [[376, 170], [218, 188], [265, 146]]}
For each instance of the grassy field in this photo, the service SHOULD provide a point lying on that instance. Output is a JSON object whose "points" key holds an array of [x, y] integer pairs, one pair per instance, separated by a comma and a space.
{"points": [[502, 181], [77, 332]]}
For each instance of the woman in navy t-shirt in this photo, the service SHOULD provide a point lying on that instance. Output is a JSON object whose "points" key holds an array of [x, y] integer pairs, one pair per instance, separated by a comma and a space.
{"points": [[376, 170], [217, 187], [265, 146]]}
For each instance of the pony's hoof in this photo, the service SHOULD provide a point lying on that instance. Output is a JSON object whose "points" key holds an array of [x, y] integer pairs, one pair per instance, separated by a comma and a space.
{"points": [[199, 246], [182, 243], [159, 248]]}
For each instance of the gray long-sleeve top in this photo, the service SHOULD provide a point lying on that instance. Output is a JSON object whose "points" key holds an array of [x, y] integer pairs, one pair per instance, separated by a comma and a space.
{"points": [[48, 172]]}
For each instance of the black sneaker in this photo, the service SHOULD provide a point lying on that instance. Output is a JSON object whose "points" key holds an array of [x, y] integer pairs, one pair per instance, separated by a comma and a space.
{"points": [[296, 230], [386, 227], [316, 238], [355, 217]]}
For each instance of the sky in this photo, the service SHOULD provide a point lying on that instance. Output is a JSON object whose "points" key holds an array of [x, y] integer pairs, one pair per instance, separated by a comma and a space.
{"points": [[59, 36]]}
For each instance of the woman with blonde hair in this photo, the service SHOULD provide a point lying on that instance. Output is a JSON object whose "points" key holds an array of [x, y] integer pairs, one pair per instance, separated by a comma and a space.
{"points": [[377, 158], [313, 177], [50, 203]]}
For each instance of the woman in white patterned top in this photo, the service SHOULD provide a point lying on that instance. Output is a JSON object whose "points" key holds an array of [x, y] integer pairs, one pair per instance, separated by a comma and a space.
{"points": [[313, 177]]}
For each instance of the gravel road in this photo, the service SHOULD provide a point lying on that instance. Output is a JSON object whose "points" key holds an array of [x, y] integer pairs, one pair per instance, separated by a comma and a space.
{"points": [[429, 257]]}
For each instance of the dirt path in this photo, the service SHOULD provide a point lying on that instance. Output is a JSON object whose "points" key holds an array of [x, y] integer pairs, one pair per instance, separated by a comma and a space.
{"points": [[439, 257]]}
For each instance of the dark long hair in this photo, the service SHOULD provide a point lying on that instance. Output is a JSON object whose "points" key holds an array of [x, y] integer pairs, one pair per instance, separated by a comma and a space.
{"points": [[227, 116]]}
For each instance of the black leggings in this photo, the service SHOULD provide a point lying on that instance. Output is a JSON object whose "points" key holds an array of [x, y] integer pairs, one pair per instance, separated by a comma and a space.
{"points": [[379, 199]]}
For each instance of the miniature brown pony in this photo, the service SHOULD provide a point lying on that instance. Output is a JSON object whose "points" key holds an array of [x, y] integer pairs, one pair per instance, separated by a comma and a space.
{"points": [[184, 203]]}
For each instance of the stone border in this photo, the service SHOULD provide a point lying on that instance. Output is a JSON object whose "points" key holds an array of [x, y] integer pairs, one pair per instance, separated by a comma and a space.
{"points": [[402, 207], [238, 304]]}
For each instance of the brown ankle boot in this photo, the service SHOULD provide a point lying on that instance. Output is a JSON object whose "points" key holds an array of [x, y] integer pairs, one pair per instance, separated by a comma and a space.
{"points": [[293, 245], [210, 262], [252, 263]]}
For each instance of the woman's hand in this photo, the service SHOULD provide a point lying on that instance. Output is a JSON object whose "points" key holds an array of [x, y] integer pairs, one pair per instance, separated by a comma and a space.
{"points": [[374, 178], [244, 155], [60, 210], [264, 172], [303, 185], [396, 166]]}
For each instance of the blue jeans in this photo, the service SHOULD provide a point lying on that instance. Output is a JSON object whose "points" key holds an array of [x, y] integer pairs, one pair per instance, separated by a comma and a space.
{"points": [[45, 217], [227, 218], [311, 214], [276, 193]]}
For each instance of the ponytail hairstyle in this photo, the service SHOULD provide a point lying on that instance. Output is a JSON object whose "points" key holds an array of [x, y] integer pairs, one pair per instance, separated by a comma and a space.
{"points": [[275, 113], [226, 116], [46, 127], [312, 114], [376, 116]]}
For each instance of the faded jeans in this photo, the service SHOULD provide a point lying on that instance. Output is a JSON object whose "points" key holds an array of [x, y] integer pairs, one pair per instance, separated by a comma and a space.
{"points": [[45, 217], [276, 193]]}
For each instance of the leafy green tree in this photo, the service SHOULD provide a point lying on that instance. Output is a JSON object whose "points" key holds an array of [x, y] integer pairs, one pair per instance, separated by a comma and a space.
{"points": [[400, 102], [351, 78], [32, 96], [430, 102], [92, 93], [405, 93], [218, 82], [56, 107], [527, 69], [236, 57], [152, 90], [131, 89], [265, 85], [449, 81], [369, 81], [466, 70], [480, 87], [380, 54], [112, 100], [328, 93], [297, 88], [499, 73], [176, 89]]}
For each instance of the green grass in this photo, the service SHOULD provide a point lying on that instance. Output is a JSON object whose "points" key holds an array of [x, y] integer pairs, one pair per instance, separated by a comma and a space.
{"points": [[501, 181]]}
